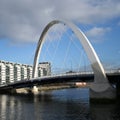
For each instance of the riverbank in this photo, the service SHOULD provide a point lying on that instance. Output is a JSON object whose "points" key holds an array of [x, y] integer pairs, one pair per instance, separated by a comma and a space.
{"points": [[46, 88], [38, 89]]}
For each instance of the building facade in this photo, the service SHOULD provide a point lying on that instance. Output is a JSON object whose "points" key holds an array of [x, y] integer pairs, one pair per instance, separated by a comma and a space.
{"points": [[44, 69], [11, 72]]}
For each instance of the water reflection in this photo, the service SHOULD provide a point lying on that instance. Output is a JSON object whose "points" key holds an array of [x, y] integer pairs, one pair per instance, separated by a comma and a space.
{"points": [[3, 107], [71, 104], [10, 108], [48, 106]]}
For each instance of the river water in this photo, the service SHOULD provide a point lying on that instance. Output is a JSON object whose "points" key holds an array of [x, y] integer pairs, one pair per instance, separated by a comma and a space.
{"points": [[65, 104]]}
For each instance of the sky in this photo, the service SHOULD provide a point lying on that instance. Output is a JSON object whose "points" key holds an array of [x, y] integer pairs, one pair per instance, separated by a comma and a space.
{"points": [[22, 22]]}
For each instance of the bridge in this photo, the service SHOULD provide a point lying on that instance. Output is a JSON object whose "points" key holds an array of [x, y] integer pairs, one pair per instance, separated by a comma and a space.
{"points": [[87, 77], [100, 81]]}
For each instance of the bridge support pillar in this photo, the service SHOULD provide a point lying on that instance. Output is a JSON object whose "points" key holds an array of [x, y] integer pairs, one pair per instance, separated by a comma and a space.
{"points": [[35, 90], [102, 92]]}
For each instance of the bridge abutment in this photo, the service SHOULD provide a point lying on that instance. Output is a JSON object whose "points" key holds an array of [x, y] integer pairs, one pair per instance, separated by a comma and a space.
{"points": [[102, 92]]}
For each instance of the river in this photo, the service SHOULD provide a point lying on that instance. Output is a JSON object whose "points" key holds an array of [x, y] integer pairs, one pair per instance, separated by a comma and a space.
{"points": [[65, 104]]}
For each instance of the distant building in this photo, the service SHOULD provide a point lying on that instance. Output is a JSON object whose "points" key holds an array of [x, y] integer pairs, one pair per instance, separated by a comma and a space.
{"points": [[11, 72], [44, 69]]}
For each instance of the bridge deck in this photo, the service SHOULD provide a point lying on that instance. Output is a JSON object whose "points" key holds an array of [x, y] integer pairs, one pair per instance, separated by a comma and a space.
{"points": [[112, 77]]}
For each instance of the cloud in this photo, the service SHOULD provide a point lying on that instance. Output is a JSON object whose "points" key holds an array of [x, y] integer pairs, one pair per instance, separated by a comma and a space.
{"points": [[97, 33], [23, 20]]}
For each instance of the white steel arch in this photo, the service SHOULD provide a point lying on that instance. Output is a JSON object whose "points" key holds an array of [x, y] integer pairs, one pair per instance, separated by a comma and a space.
{"points": [[99, 73]]}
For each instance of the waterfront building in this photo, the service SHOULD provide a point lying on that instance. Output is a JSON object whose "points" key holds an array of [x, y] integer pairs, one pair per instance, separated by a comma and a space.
{"points": [[2, 72], [29, 72], [44, 69], [11, 72]]}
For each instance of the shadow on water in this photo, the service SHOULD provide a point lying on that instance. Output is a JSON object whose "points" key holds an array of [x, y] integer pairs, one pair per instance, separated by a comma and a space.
{"points": [[105, 111], [69, 104]]}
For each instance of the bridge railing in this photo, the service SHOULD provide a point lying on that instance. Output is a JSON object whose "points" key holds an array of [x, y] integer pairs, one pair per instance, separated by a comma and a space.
{"points": [[112, 71], [64, 74]]}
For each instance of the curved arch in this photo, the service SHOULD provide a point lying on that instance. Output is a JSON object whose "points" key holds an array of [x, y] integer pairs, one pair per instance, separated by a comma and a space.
{"points": [[99, 73]]}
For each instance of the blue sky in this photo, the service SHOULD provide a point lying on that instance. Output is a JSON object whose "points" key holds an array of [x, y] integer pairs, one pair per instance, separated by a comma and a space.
{"points": [[22, 22]]}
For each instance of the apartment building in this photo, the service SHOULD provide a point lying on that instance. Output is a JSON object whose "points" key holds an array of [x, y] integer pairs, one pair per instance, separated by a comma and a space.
{"points": [[11, 72]]}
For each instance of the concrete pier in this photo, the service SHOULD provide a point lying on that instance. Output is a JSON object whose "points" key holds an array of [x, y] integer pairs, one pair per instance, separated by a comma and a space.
{"points": [[35, 90], [102, 91]]}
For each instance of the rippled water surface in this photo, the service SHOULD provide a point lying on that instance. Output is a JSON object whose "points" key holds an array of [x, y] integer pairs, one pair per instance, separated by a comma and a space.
{"points": [[69, 104]]}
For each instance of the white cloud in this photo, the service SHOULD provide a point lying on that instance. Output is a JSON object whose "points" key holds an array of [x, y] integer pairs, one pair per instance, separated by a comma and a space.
{"points": [[23, 20], [97, 33]]}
